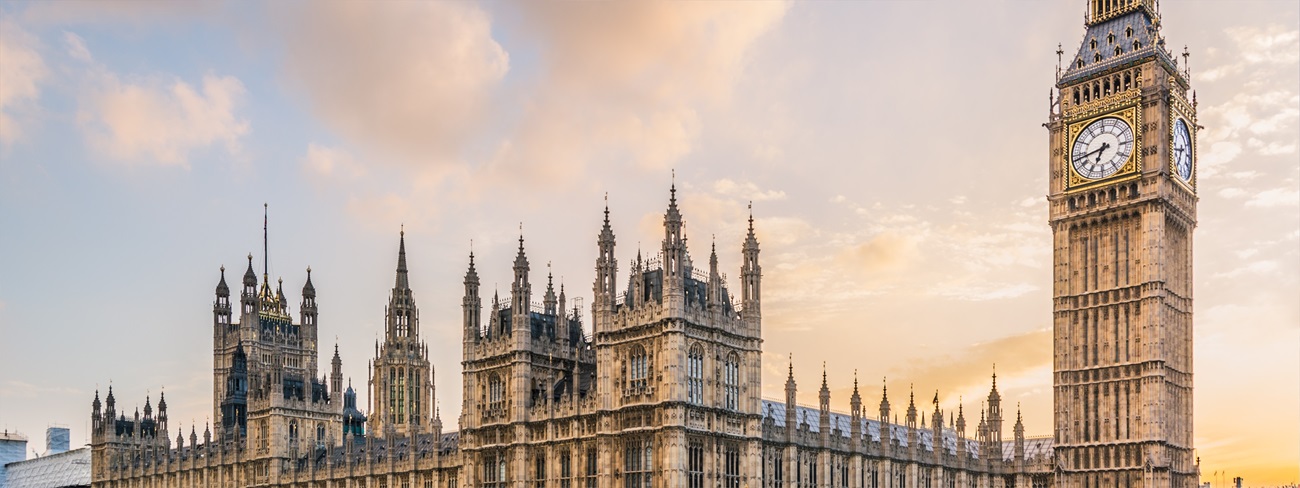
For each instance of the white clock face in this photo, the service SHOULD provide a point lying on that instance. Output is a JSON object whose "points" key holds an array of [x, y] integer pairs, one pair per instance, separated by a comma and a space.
{"points": [[1182, 150], [1102, 148]]}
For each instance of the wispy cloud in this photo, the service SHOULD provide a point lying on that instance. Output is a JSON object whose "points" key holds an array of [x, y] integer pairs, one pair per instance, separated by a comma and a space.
{"points": [[20, 80]]}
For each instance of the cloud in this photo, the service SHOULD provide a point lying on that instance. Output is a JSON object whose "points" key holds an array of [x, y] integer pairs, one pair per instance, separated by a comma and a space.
{"points": [[330, 162], [746, 190], [159, 121], [970, 372], [410, 80], [76, 47], [107, 11], [1276, 197], [20, 80], [1270, 46], [627, 83]]}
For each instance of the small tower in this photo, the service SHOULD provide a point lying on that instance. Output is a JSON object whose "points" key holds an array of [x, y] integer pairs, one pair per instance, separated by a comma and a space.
{"points": [[961, 432], [824, 406], [1019, 432], [471, 309], [790, 405], [911, 419], [855, 411], [995, 419], [521, 296], [248, 297], [751, 276], [606, 286], [336, 376], [674, 254]]}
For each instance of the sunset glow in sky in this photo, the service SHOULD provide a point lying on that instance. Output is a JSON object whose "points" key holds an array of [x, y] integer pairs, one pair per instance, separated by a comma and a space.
{"points": [[893, 152]]}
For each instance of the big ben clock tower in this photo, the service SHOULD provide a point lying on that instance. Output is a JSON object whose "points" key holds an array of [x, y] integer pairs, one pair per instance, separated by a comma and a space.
{"points": [[1123, 208]]}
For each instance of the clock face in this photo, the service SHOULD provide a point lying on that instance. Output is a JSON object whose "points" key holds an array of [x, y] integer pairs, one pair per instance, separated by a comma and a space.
{"points": [[1102, 148], [1182, 150]]}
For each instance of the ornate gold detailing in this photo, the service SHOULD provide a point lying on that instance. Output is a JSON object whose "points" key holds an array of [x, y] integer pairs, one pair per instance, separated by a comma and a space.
{"points": [[1180, 109], [1132, 168]]}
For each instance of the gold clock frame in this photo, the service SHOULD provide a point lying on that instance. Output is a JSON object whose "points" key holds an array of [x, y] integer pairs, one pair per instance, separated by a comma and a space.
{"points": [[1131, 114], [1180, 110]]}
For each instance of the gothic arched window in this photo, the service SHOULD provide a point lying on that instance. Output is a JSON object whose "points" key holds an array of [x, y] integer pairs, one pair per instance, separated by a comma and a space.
{"points": [[638, 371], [496, 392], [695, 375], [731, 382]]}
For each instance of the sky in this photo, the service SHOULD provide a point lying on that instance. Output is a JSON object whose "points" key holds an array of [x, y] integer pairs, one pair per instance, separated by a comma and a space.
{"points": [[893, 152]]}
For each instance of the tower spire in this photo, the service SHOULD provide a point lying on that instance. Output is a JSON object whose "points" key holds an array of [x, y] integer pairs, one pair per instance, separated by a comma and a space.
{"points": [[266, 255], [403, 279]]}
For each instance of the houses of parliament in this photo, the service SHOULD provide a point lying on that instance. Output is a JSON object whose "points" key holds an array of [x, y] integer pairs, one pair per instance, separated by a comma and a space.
{"points": [[663, 388]]}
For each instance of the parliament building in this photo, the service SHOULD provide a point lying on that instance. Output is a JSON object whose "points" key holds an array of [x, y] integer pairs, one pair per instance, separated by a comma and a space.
{"points": [[663, 388]]}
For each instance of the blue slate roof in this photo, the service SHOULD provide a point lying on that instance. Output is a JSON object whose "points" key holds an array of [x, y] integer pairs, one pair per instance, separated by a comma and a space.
{"points": [[1112, 34], [775, 411]]}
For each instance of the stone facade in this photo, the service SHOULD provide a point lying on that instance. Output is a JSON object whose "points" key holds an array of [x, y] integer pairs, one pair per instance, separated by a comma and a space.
{"points": [[1122, 237], [664, 391]]}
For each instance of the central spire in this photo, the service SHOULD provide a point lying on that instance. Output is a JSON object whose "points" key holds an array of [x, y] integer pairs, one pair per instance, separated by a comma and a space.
{"points": [[403, 280]]}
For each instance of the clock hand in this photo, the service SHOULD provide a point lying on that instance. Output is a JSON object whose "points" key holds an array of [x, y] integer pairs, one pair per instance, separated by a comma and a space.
{"points": [[1090, 153], [1104, 146]]}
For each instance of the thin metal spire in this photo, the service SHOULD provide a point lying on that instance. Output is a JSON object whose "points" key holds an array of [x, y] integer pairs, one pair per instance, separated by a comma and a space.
{"points": [[266, 256]]}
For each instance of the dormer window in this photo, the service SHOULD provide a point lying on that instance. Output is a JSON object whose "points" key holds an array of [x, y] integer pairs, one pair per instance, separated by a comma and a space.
{"points": [[1110, 38], [1128, 32], [1097, 58], [1092, 44], [1118, 51]]}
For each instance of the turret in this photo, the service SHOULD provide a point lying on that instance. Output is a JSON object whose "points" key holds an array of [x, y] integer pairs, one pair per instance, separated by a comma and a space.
{"points": [[336, 376], [521, 296], [605, 287], [162, 413], [674, 250], [911, 419], [308, 307], [824, 407], [884, 403], [549, 299], [961, 431], [221, 306], [471, 309], [1019, 432], [96, 417], [751, 275], [715, 279], [995, 419], [855, 413], [790, 405], [248, 297], [936, 426]]}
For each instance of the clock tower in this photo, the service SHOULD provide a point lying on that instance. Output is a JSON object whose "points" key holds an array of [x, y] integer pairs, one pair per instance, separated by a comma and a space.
{"points": [[1122, 203]]}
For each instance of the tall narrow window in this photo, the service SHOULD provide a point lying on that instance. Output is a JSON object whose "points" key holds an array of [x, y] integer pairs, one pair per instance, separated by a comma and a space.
{"points": [[591, 467], [695, 464], [638, 463], [731, 381], [566, 469], [731, 466], [778, 470], [637, 369], [695, 375], [496, 392], [539, 471]]}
